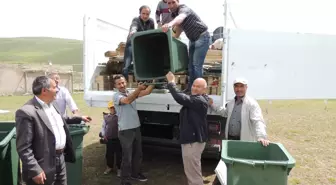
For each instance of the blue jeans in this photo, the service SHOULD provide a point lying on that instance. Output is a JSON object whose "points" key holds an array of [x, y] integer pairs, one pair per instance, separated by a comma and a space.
{"points": [[127, 59], [197, 52]]}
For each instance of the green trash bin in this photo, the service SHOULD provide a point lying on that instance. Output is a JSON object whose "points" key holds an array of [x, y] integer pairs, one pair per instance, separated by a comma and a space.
{"points": [[74, 170], [250, 163], [9, 159], [155, 53]]}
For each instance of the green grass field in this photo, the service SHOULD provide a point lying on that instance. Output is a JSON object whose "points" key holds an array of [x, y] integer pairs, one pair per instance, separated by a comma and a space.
{"points": [[41, 50], [306, 128]]}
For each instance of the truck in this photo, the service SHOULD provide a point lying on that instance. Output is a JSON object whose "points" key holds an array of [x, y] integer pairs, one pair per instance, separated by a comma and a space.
{"points": [[277, 65]]}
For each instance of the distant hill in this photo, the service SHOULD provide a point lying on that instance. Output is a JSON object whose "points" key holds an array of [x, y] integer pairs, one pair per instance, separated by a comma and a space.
{"points": [[41, 50]]}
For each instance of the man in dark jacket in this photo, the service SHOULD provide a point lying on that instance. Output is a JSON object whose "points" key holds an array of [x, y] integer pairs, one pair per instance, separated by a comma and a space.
{"points": [[193, 126], [43, 140]]}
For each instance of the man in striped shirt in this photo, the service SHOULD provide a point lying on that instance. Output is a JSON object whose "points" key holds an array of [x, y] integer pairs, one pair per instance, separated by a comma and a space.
{"points": [[185, 19], [163, 11]]}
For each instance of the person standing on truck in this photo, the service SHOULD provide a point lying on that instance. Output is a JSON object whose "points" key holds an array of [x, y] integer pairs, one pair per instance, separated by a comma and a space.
{"points": [[63, 96], [141, 23], [162, 14], [185, 19], [129, 128], [193, 126], [110, 134], [244, 116]]}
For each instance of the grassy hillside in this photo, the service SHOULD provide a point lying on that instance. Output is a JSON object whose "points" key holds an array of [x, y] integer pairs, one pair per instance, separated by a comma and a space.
{"points": [[41, 50]]}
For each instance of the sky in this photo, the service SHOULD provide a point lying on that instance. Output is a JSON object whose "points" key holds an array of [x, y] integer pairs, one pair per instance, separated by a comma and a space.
{"points": [[64, 18]]}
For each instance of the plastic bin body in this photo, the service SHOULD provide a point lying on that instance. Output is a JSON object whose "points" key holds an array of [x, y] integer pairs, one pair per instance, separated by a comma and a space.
{"points": [[250, 163], [74, 170], [9, 159], [155, 53]]}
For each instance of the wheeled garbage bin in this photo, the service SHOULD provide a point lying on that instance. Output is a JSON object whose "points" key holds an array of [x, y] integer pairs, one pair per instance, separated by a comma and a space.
{"points": [[155, 53], [74, 170], [9, 159], [250, 163]]}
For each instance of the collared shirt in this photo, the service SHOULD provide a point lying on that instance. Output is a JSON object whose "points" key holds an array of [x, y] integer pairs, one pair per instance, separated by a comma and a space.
{"points": [[56, 122], [128, 117], [64, 98], [192, 25], [235, 119]]}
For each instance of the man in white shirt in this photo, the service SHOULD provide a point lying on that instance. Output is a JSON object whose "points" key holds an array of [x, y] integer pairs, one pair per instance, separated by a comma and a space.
{"points": [[43, 140], [245, 121], [244, 116], [63, 96]]}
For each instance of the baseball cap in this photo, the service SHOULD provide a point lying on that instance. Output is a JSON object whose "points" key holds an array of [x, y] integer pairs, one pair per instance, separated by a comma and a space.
{"points": [[110, 104], [240, 80]]}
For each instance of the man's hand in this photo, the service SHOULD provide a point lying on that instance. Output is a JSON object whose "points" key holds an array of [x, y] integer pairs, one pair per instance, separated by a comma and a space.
{"points": [[39, 179], [264, 142], [170, 77], [141, 86], [86, 119], [165, 27], [131, 33]]}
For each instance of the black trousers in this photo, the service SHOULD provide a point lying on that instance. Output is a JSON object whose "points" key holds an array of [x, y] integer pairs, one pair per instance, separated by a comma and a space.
{"points": [[233, 137], [130, 141], [59, 178], [113, 148]]}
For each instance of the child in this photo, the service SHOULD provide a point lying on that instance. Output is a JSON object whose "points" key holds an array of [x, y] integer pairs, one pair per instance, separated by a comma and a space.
{"points": [[110, 134]]}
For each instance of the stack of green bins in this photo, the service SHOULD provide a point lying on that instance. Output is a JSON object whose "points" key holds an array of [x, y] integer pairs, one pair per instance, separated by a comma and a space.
{"points": [[9, 159], [250, 163], [74, 170]]}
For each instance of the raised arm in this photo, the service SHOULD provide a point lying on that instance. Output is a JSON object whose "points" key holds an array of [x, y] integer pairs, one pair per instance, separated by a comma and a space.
{"points": [[147, 91], [134, 26], [119, 99], [221, 110], [183, 99]]}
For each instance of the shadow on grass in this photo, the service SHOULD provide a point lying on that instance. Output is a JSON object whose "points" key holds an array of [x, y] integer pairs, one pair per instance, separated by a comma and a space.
{"points": [[162, 167]]}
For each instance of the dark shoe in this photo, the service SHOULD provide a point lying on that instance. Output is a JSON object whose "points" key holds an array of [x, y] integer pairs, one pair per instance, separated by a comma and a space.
{"points": [[140, 177], [125, 183]]}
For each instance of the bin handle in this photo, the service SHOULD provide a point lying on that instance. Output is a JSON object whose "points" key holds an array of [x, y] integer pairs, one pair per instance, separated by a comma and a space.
{"points": [[280, 163], [264, 163], [248, 162]]}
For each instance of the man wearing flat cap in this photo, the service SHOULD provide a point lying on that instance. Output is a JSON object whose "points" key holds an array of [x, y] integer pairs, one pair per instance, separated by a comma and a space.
{"points": [[244, 116]]}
